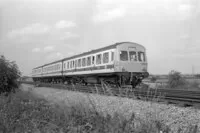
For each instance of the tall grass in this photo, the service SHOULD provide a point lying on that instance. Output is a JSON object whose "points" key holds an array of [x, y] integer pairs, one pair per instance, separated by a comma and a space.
{"points": [[23, 112]]}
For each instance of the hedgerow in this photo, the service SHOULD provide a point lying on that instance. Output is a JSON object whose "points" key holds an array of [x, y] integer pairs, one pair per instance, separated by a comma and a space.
{"points": [[9, 73]]}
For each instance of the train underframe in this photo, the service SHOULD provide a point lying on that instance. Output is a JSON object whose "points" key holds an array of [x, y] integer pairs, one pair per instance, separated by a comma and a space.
{"points": [[119, 79]]}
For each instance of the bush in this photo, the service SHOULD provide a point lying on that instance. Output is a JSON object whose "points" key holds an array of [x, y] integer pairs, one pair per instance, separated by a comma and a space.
{"points": [[194, 84], [9, 73], [153, 79], [175, 79]]}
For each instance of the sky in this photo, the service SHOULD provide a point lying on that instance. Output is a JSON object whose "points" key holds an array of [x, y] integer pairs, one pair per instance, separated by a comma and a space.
{"points": [[35, 32]]}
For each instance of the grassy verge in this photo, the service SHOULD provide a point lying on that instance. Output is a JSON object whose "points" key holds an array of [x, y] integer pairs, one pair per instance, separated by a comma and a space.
{"points": [[23, 112]]}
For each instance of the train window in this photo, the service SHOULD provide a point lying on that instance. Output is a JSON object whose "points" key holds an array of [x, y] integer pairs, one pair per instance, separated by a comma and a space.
{"points": [[73, 65], [141, 56], [132, 55], [112, 56], [123, 55], [105, 57], [64, 66], [98, 59], [88, 61], [93, 59], [84, 62], [79, 62], [68, 65]]}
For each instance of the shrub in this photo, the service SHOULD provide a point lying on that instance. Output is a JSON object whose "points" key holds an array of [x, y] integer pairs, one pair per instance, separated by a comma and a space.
{"points": [[194, 84], [153, 79], [9, 73], [175, 79]]}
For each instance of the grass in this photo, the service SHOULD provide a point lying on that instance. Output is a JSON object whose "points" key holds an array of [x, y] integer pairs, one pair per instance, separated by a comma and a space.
{"points": [[24, 112]]}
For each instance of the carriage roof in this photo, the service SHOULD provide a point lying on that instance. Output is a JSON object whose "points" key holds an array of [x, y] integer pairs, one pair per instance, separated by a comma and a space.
{"points": [[87, 53]]}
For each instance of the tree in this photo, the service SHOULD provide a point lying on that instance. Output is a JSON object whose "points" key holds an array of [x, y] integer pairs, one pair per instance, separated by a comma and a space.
{"points": [[175, 79], [153, 79], [197, 75], [9, 73]]}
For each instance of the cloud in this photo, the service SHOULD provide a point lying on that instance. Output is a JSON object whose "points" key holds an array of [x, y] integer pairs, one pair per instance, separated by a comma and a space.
{"points": [[185, 11], [33, 29], [48, 49], [109, 15], [67, 35], [43, 33], [70, 53], [54, 56], [108, 10], [185, 36], [35, 50], [64, 24]]}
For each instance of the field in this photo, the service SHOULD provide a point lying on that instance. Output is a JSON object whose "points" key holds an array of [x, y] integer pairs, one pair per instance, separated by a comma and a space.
{"points": [[52, 110], [190, 83], [24, 112]]}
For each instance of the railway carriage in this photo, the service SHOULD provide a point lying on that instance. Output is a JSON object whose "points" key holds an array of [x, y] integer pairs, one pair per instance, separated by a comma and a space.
{"points": [[122, 63]]}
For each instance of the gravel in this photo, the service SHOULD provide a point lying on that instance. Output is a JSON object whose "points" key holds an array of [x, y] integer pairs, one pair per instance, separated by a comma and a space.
{"points": [[173, 116]]}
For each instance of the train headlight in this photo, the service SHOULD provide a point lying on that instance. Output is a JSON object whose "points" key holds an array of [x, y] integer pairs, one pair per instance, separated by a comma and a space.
{"points": [[123, 69], [144, 69]]}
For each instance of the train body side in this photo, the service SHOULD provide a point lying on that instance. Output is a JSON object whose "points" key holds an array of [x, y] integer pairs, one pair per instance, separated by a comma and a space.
{"points": [[113, 62]]}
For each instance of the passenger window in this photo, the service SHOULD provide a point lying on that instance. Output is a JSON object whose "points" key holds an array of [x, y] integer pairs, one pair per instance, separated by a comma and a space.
{"points": [[112, 56], [73, 65], [76, 63], [64, 65], [106, 57], [68, 65], [88, 61], [98, 59], [93, 60], [79, 62], [141, 56], [123, 55], [132, 55], [84, 62]]}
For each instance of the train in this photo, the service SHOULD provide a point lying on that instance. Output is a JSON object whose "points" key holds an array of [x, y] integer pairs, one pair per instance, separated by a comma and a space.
{"points": [[121, 64]]}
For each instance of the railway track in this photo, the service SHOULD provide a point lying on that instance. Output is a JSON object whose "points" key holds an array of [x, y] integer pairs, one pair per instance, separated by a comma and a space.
{"points": [[179, 97]]}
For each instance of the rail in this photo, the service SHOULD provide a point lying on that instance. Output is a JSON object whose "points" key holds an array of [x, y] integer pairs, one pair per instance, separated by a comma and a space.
{"points": [[179, 97]]}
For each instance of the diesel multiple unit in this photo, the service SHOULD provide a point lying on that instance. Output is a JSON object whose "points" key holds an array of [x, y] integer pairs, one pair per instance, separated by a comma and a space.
{"points": [[123, 63]]}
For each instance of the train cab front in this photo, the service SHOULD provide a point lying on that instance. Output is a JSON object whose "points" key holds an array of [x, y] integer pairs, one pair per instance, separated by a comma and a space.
{"points": [[131, 61]]}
